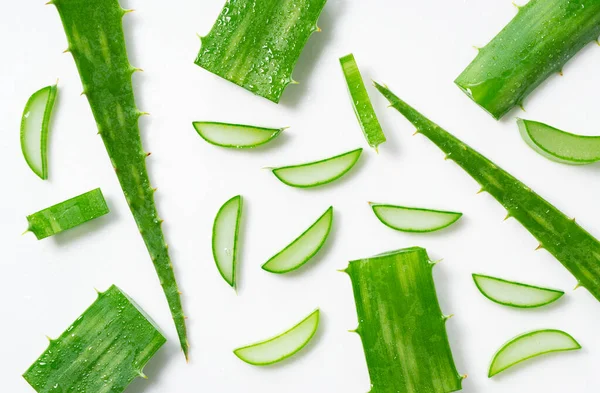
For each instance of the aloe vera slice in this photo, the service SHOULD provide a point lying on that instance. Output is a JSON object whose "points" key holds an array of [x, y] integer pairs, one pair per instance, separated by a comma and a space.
{"points": [[412, 219], [282, 346], [35, 125], [558, 145], [102, 351], [225, 238], [238, 136], [301, 250], [361, 103], [67, 214], [317, 173], [530, 345], [515, 294]]}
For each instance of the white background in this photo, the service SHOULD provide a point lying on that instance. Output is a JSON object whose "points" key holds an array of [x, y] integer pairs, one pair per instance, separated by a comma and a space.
{"points": [[417, 48]]}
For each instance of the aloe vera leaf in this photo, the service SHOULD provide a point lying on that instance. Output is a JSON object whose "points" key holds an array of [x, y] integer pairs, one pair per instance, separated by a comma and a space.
{"points": [[361, 103], [102, 351], [317, 173], [401, 326], [67, 214], [538, 42], [225, 235], [35, 125], [559, 146], [256, 44], [95, 35], [303, 248], [239, 136], [413, 219], [572, 245], [515, 294], [282, 346], [530, 345]]}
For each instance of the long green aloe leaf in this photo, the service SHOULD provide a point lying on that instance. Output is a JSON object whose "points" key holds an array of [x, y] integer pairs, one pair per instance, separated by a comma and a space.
{"points": [[538, 42], [256, 44], [515, 294], [572, 245], [95, 34], [102, 351], [67, 214], [401, 325]]}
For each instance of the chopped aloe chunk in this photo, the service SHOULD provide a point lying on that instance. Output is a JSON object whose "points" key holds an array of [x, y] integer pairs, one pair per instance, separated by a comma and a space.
{"points": [[515, 294], [235, 135], [225, 238], [412, 219]]}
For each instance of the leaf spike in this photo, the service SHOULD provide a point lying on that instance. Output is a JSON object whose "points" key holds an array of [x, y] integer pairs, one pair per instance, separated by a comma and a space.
{"points": [[50, 2], [476, 48], [49, 339], [433, 263], [415, 133], [148, 154], [577, 286], [343, 270], [516, 5], [125, 12], [67, 50], [82, 93], [447, 317], [140, 113], [508, 215], [520, 104], [539, 247], [142, 375], [357, 330], [26, 230], [481, 190], [560, 72], [464, 376]]}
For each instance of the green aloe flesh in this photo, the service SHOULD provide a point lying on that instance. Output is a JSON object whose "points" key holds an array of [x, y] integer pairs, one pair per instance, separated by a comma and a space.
{"points": [[412, 219], [361, 103], [530, 345], [572, 245], [225, 235], [256, 44], [104, 350], [282, 346], [559, 146], [67, 214], [515, 294], [401, 326], [317, 173], [35, 124], [538, 42], [237, 136], [303, 248], [95, 35]]}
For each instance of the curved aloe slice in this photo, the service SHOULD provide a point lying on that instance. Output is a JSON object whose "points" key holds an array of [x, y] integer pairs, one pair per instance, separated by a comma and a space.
{"points": [[317, 173], [225, 238], [412, 219], [235, 135], [361, 103], [282, 346], [301, 250], [67, 214], [530, 345], [35, 124], [515, 294], [558, 145]]}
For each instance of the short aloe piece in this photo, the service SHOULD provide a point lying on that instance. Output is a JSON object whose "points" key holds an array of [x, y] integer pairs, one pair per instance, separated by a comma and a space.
{"points": [[515, 294], [104, 350], [413, 219], [401, 325], [67, 214], [303, 248], [572, 245], [530, 345], [560, 146], [237, 136], [225, 235], [317, 173], [282, 346], [35, 125], [256, 44], [361, 103]]}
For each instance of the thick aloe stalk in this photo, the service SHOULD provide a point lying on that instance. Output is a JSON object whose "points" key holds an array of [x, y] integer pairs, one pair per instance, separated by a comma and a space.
{"points": [[538, 42], [572, 245], [95, 34], [401, 325], [256, 44], [102, 351]]}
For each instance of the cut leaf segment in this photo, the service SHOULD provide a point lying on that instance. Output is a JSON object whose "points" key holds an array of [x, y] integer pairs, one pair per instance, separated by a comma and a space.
{"points": [[225, 235], [559, 146], [412, 219], [301, 250], [35, 125], [515, 294], [317, 173], [530, 345], [238, 136], [283, 346]]}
